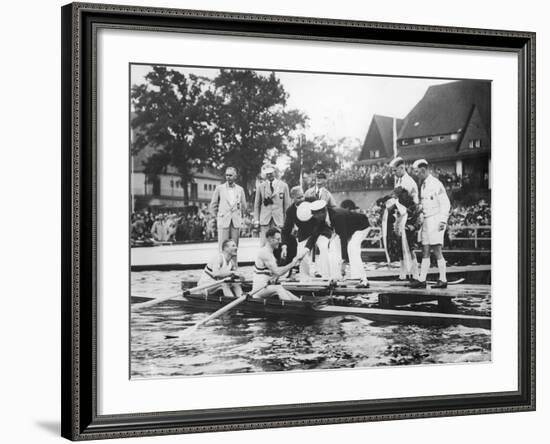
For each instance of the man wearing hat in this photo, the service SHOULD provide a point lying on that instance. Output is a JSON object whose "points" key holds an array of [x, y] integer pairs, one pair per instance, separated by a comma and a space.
{"points": [[271, 202], [435, 209], [298, 215], [319, 191], [227, 206], [405, 181], [402, 178], [328, 263], [346, 228]]}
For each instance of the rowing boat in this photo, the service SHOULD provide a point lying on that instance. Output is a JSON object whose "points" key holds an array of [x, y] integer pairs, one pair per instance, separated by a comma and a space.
{"points": [[320, 304], [389, 293]]}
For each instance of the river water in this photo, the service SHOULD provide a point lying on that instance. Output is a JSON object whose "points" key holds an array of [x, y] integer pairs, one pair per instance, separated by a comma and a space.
{"points": [[238, 343]]}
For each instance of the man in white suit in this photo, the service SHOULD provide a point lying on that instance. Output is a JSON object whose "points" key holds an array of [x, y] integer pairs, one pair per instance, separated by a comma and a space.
{"points": [[228, 205], [271, 202]]}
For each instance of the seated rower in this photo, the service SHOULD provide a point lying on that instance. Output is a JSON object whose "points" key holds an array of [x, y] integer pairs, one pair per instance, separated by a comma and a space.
{"points": [[266, 271], [221, 266]]}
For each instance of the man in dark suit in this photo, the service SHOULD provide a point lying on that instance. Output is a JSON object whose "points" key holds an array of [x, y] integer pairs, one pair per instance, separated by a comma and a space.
{"points": [[351, 228], [292, 244]]}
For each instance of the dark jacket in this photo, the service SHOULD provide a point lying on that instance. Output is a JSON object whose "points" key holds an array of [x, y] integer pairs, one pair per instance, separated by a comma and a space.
{"points": [[344, 223], [305, 230]]}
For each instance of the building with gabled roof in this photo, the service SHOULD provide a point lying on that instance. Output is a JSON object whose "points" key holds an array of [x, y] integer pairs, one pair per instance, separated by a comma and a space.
{"points": [[165, 190], [378, 145], [450, 127]]}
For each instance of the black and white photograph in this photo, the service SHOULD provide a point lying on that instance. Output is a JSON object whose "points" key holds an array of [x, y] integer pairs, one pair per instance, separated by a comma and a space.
{"points": [[297, 221]]}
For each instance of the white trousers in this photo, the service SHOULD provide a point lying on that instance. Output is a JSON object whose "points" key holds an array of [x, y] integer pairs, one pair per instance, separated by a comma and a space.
{"points": [[330, 257], [356, 267]]}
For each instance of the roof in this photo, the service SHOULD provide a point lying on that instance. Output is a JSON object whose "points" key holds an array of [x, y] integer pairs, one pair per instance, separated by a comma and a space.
{"points": [[445, 108], [437, 152], [380, 136]]}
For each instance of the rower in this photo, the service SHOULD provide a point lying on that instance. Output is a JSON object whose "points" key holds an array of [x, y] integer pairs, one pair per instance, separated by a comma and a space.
{"points": [[221, 266], [266, 271]]}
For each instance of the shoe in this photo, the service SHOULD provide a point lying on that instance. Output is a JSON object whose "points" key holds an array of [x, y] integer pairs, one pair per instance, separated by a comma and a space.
{"points": [[418, 284], [439, 284]]}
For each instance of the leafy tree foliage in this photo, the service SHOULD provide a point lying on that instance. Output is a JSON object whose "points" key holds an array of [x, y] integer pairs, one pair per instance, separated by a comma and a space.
{"points": [[173, 116], [188, 122], [251, 120], [311, 156]]}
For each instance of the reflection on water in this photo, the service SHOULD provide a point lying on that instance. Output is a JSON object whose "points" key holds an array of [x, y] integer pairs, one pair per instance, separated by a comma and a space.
{"points": [[238, 343]]}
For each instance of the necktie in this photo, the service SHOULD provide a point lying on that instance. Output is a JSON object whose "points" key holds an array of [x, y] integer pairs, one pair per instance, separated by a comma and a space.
{"points": [[271, 186]]}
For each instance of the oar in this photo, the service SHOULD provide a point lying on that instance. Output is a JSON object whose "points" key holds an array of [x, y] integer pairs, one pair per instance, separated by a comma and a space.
{"points": [[156, 301], [216, 314]]}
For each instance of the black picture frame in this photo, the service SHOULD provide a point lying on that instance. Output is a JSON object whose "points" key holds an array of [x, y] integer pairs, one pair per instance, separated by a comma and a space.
{"points": [[79, 171]]}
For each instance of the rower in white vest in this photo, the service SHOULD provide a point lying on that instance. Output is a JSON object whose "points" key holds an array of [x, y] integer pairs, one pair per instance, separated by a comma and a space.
{"points": [[267, 272], [222, 266], [435, 208]]}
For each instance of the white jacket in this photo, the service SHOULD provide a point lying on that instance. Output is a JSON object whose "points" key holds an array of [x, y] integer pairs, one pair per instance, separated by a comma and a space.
{"points": [[408, 183], [434, 199]]}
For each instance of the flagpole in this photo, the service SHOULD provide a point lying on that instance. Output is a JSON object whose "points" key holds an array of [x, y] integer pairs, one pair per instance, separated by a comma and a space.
{"points": [[394, 138]]}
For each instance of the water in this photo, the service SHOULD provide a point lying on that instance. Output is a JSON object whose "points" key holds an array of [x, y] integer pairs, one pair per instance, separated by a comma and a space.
{"points": [[238, 343]]}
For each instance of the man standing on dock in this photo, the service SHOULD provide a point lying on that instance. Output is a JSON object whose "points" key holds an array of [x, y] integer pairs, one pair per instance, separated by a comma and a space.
{"points": [[227, 206], [403, 180], [270, 203], [435, 208], [319, 191], [292, 246], [344, 230]]}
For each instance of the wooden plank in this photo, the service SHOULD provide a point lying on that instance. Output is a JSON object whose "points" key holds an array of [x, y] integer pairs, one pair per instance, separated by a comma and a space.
{"points": [[385, 315]]}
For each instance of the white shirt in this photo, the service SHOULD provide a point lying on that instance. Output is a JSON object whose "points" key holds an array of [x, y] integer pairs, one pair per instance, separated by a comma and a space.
{"points": [[231, 194], [408, 183], [435, 201]]}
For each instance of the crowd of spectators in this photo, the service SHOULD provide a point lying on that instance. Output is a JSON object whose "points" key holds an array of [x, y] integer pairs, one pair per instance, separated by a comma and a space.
{"points": [[361, 177], [465, 223], [478, 215], [150, 228]]}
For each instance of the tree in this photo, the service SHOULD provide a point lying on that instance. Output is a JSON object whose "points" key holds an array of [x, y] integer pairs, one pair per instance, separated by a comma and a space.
{"points": [[311, 156], [251, 121], [172, 115]]}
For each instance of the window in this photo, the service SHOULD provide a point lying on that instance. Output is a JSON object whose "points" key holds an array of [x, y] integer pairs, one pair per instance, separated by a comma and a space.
{"points": [[478, 143], [194, 191], [471, 144], [171, 183], [377, 154], [416, 123], [441, 138], [454, 136], [206, 187], [429, 139], [416, 141], [404, 143]]}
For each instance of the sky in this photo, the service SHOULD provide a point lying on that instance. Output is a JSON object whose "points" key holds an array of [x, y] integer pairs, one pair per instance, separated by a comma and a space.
{"points": [[338, 105]]}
